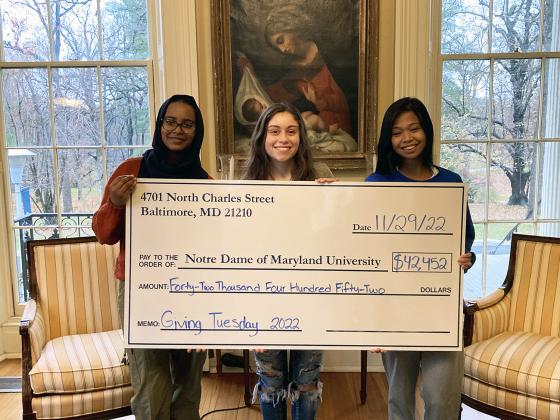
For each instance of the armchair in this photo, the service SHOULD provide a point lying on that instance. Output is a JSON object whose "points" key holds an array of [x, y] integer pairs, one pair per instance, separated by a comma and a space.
{"points": [[72, 343], [512, 337]]}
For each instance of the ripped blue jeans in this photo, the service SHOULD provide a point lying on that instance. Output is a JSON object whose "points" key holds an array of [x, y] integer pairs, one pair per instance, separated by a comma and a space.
{"points": [[299, 382]]}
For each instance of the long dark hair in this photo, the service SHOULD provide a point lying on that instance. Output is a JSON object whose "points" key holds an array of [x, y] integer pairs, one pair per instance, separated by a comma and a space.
{"points": [[259, 162], [387, 159], [154, 164]]}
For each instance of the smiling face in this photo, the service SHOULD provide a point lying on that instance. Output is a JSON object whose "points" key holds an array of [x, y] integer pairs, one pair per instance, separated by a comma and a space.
{"points": [[180, 137], [282, 138], [408, 137]]}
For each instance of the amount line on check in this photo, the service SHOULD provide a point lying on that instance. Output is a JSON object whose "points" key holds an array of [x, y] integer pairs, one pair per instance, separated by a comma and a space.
{"points": [[226, 292]]}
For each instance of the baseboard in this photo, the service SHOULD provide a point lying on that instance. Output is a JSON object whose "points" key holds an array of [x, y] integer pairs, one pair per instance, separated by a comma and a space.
{"points": [[6, 356], [344, 369], [333, 361], [328, 369]]}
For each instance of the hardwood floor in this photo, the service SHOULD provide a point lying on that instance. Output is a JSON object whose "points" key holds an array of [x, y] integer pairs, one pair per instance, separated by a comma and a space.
{"points": [[341, 397], [10, 403], [10, 367]]}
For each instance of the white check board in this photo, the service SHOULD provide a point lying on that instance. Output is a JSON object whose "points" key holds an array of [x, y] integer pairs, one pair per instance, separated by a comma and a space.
{"points": [[262, 264]]}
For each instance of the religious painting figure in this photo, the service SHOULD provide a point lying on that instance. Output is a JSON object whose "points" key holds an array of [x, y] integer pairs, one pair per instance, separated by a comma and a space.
{"points": [[281, 60]]}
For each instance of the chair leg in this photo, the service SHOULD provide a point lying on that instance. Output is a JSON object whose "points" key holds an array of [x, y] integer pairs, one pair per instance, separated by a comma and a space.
{"points": [[218, 354], [363, 376], [247, 376], [26, 391]]}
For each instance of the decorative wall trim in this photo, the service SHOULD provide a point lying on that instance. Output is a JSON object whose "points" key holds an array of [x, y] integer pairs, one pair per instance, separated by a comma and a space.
{"points": [[11, 341], [413, 64], [177, 33], [7, 296]]}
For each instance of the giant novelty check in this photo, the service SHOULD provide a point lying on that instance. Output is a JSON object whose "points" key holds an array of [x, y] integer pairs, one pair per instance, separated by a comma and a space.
{"points": [[258, 264]]}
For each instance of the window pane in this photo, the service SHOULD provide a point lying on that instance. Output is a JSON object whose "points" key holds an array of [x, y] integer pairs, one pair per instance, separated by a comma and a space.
{"points": [[549, 229], [551, 112], [21, 237], [499, 245], [76, 37], [549, 198], [26, 107], [510, 181], [551, 32], [465, 100], [21, 197], [116, 156], [469, 161], [76, 232], [24, 30], [80, 177], [76, 106], [516, 99], [516, 25], [473, 277], [125, 33], [126, 106], [464, 27], [33, 190]]}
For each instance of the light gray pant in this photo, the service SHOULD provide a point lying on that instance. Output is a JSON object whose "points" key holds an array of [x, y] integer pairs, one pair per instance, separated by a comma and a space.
{"points": [[165, 383], [442, 373]]}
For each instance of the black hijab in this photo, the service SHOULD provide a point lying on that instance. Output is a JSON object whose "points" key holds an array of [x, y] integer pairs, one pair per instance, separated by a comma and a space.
{"points": [[154, 162]]}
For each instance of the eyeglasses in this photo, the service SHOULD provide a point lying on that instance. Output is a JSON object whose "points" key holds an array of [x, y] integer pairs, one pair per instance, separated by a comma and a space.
{"points": [[169, 124]]}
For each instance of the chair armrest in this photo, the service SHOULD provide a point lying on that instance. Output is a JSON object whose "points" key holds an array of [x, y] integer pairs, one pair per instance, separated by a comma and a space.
{"points": [[490, 300], [486, 317], [28, 313], [32, 330]]}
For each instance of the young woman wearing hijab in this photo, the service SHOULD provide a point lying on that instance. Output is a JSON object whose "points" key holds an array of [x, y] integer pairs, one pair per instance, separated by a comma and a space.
{"points": [[165, 382]]}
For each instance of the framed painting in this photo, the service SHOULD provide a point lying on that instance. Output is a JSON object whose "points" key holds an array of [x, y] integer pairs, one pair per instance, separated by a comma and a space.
{"points": [[319, 55]]}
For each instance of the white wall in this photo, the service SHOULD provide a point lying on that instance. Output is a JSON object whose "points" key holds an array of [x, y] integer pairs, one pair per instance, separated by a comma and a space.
{"points": [[9, 335]]}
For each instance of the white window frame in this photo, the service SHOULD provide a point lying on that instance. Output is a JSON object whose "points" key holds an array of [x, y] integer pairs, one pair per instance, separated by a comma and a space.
{"points": [[8, 273], [175, 27], [438, 60]]}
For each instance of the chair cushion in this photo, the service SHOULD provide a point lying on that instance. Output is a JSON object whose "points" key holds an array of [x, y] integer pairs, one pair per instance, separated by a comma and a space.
{"points": [[80, 363], [523, 405], [527, 364], [72, 405]]}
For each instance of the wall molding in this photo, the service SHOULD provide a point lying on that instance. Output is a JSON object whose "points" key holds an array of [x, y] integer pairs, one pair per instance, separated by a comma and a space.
{"points": [[413, 50]]}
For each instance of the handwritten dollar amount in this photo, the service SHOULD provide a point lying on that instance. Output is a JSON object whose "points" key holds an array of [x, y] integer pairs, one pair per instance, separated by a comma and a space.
{"points": [[421, 262]]}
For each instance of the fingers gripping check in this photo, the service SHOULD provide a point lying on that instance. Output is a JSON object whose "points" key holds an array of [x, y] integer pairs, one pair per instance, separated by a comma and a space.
{"points": [[121, 188]]}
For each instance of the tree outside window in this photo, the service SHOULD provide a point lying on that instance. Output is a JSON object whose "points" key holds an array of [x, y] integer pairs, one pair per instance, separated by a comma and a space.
{"points": [[500, 117]]}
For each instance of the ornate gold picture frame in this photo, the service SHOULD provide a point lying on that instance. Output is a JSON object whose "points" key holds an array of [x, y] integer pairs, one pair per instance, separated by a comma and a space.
{"points": [[319, 55]]}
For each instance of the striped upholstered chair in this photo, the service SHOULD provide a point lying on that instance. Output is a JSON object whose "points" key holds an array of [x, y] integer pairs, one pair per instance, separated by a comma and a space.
{"points": [[512, 337], [72, 343]]}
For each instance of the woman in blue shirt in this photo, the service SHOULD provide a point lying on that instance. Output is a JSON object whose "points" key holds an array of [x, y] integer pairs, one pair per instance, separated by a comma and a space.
{"points": [[404, 154]]}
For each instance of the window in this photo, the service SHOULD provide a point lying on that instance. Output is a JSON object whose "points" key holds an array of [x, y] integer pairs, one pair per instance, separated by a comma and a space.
{"points": [[500, 122], [76, 84]]}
